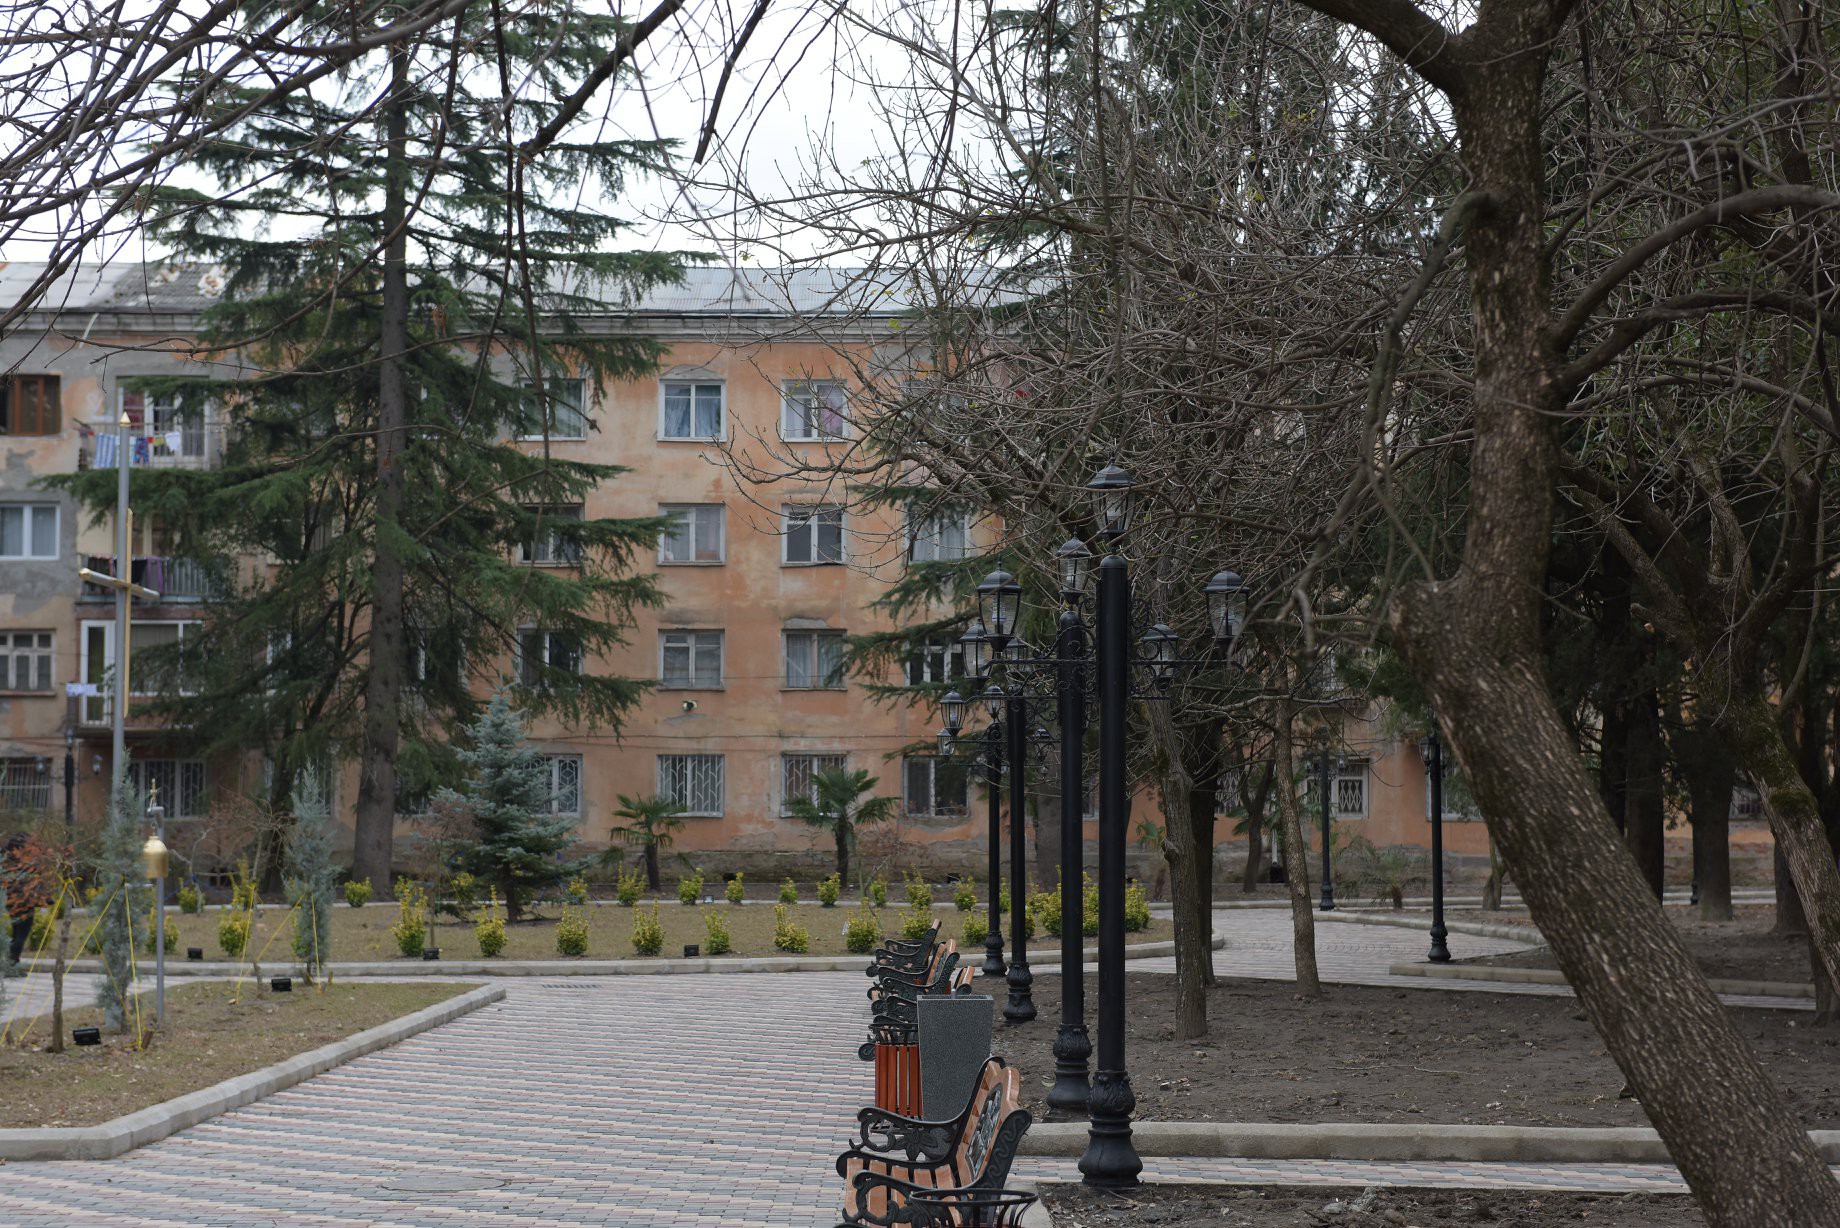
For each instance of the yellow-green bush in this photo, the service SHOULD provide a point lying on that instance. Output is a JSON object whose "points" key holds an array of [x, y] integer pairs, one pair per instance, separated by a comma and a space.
{"points": [[410, 929], [233, 933], [716, 940], [572, 932], [830, 888], [690, 889], [1136, 908], [358, 892], [789, 935], [788, 892], [648, 932], [489, 929], [861, 932], [965, 894], [734, 890]]}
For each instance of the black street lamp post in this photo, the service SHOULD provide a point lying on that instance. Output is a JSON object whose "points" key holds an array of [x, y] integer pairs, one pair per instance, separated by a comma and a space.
{"points": [[1021, 1005], [1323, 765], [1432, 749], [1072, 1046], [993, 779]]}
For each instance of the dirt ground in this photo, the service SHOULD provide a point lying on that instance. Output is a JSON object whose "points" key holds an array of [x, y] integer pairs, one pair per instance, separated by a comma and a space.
{"points": [[1740, 949], [1282, 1206], [1370, 1054]]}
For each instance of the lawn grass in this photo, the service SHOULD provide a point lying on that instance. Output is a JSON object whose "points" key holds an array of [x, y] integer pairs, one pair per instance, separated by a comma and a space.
{"points": [[363, 934], [214, 1030]]}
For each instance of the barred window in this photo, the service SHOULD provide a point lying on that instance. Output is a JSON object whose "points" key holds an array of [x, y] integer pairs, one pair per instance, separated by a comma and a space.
{"points": [[693, 782], [180, 782], [564, 783], [25, 784], [796, 773]]}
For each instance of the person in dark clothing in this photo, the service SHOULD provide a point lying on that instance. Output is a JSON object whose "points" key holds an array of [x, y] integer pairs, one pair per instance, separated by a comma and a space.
{"points": [[21, 901]]}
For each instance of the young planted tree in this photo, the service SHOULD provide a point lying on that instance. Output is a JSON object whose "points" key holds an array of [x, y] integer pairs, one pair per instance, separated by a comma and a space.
{"points": [[311, 874], [124, 901], [518, 842], [837, 804], [651, 822]]}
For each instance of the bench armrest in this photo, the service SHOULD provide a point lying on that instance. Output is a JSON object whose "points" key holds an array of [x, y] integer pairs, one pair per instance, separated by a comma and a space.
{"points": [[886, 1132], [885, 1166]]}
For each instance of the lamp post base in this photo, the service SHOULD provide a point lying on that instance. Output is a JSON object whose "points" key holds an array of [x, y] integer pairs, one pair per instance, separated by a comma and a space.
{"points": [[1328, 901], [1072, 1048], [1111, 1161], [993, 955], [1440, 949], [1021, 1005]]}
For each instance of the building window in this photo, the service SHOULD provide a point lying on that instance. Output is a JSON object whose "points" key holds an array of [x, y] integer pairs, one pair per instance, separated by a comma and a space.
{"points": [[25, 660], [814, 660], [25, 784], [29, 531], [162, 427], [693, 782], [812, 409], [555, 536], [566, 414], [29, 405], [935, 659], [942, 537], [690, 660], [935, 786], [691, 410], [1350, 785], [695, 535], [812, 533], [797, 774], [180, 781], [540, 651], [564, 784]]}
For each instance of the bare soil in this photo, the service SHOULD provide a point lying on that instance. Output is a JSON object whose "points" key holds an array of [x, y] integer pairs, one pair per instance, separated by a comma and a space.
{"points": [[214, 1030], [1371, 1054], [1742, 949], [1293, 1206]]}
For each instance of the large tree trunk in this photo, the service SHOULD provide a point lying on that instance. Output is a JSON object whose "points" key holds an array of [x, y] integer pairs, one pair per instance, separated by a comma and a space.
{"points": [[374, 827], [1296, 856], [651, 864], [1256, 798], [1790, 920], [1191, 756], [1474, 642], [1710, 776], [1644, 816], [843, 853]]}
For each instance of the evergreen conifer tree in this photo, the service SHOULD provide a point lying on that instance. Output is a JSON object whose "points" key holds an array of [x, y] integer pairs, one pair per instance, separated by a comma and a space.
{"points": [[124, 901], [390, 372], [518, 844], [311, 874]]}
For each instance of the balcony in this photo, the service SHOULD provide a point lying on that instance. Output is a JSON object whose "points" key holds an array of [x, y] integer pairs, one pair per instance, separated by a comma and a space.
{"points": [[175, 579], [172, 442]]}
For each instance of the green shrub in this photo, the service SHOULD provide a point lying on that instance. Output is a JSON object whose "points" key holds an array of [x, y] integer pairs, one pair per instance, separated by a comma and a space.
{"points": [[1003, 898], [919, 892], [463, 890], [358, 892], [42, 920], [734, 890], [233, 933], [190, 902], [690, 890], [577, 890], [489, 929], [1045, 909], [410, 929], [964, 896], [829, 890], [242, 888], [788, 892], [976, 930], [1089, 907], [915, 924], [716, 940], [861, 932], [145, 934], [788, 935], [1136, 908], [648, 932], [572, 932], [878, 891], [629, 887]]}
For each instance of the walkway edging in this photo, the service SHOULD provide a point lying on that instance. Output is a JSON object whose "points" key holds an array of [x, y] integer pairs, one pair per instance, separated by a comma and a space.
{"points": [[1384, 1142], [137, 1129], [1552, 976], [1481, 929], [617, 967]]}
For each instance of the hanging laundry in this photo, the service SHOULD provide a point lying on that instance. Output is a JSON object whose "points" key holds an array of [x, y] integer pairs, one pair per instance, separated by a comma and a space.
{"points": [[105, 451], [175, 442], [155, 573], [142, 453]]}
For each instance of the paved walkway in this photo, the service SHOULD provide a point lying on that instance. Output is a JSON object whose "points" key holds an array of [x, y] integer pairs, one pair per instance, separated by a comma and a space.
{"points": [[631, 1101]]}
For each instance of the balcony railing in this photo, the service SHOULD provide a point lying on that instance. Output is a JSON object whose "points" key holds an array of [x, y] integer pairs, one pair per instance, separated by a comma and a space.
{"points": [[171, 442], [174, 578]]}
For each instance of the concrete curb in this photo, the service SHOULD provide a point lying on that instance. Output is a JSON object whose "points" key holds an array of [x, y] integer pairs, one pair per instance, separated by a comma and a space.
{"points": [[610, 967], [1481, 929], [1552, 976], [1384, 1142], [151, 1124]]}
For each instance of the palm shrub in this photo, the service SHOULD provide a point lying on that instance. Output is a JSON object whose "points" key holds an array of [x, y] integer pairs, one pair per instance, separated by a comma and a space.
{"points": [[734, 890], [716, 939], [964, 896], [572, 932], [651, 825], [648, 932], [690, 888], [788, 892], [830, 889], [861, 932], [311, 874], [837, 804], [358, 892], [789, 935]]}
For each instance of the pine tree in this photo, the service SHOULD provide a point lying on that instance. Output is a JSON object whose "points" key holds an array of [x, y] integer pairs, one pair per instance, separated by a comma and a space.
{"points": [[311, 874], [427, 309], [124, 901], [518, 844]]}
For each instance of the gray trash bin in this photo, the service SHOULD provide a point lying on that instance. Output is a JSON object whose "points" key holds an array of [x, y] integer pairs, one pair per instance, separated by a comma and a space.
{"points": [[954, 1038]]}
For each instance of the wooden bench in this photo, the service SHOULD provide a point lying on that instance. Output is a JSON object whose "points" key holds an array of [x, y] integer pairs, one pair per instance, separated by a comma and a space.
{"points": [[935, 977], [896, 1156], [905, 954]]}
